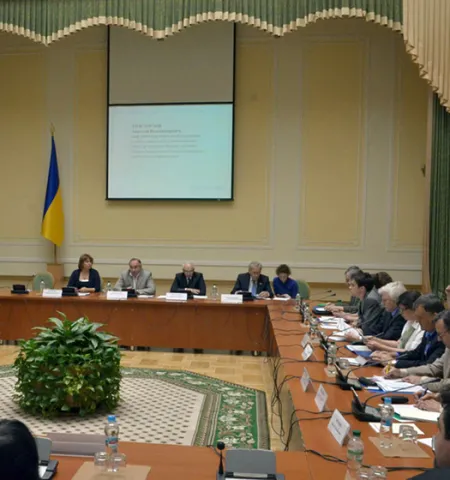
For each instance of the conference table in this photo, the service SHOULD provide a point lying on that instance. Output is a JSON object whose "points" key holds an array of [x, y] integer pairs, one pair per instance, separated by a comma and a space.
{"points": [[273, 327]]}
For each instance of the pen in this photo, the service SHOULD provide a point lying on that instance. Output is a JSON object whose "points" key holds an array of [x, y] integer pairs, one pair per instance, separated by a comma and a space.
{"points": [[388, 368], [424, 393]]}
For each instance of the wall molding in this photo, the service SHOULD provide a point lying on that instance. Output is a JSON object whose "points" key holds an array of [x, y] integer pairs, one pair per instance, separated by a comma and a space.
{"points": [[359, 243]]}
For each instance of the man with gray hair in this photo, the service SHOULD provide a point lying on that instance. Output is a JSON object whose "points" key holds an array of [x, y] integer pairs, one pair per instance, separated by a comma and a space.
{"points": [[135, 278], [253, 281], [352, 306], [189, 281]]}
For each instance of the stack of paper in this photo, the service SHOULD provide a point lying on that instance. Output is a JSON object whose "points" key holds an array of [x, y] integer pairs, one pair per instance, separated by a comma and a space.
{"points": [[413, 413], [396, 385]]}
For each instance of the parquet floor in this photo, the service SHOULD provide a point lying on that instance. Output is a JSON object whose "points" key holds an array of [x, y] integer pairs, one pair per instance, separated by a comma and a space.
{"points": [[252, 372]]}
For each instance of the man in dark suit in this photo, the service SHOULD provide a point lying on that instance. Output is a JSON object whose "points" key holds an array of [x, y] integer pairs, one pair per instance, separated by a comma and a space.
{"points": [[189, 281], [254, 282], [426, 310]]}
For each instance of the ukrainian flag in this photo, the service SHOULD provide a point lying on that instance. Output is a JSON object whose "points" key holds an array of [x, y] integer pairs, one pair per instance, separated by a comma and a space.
{"points": [[53, 218]]}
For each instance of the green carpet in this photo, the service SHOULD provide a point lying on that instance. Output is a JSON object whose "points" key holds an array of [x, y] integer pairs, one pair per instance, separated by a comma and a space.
{"points": [[164, 406]]}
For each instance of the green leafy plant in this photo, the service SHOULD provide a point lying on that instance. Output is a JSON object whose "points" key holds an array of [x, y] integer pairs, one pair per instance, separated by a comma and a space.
{"points": [[70, 367]]}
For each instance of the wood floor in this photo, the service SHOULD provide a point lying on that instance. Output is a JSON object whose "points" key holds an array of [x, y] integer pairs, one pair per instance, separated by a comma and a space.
{"points": [[245, 370]]}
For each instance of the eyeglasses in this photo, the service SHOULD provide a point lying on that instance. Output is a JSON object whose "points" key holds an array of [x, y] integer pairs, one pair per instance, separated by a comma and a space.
{"points": [[443, 334]]}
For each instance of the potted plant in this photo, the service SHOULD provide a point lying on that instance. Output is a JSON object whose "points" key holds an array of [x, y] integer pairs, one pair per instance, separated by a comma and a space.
{"points": [[70, 367]]}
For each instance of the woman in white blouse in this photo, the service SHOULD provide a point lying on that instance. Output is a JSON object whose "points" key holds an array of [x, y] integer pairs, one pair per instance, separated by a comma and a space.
{"points": [[412, 333]]}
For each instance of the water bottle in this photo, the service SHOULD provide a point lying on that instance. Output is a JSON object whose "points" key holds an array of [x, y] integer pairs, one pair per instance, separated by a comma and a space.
{"points": [[41, 287], [298, 302], [112, 435], [355, 453], [331, 358], [386, 414], [214, 292], [108, 287]]}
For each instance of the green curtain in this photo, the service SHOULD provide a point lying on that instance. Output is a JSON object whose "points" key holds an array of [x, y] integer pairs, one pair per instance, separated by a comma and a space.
{"points": [[440, 200], [48, 20]]}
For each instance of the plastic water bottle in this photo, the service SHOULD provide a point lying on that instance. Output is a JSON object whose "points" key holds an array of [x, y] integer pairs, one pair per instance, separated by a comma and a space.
{"points": [[331, 358], [108, 287], [386, 414], [355, 454], [112, 435], [298, 302], [41, 287], [214, 292]]}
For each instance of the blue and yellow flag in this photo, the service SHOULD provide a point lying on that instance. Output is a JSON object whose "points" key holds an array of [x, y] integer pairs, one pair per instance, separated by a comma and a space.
{"points": [[53, 218]]}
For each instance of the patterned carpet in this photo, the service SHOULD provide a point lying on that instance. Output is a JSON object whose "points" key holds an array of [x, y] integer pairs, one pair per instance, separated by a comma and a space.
{"points": [[164, 406]]}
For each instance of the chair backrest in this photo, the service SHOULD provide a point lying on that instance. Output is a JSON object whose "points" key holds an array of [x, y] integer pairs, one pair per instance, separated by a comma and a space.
{"points": [[45, 277], [303, 289]]}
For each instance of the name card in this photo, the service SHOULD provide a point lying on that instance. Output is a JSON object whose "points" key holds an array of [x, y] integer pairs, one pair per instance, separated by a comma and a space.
{"points": [[307, 352], [305, 380], [51, 293], [321, 398], [306, 339], [112, 295], [361, 360], [176, 297], [338, 427], [226, 298]]}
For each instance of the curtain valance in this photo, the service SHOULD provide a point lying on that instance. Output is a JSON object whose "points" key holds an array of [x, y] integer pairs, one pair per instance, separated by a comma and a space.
{"points": [[45, 21]]}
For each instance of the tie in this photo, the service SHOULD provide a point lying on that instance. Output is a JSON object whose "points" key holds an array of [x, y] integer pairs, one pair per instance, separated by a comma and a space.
{"points": [[407, 335], [254, 289]]}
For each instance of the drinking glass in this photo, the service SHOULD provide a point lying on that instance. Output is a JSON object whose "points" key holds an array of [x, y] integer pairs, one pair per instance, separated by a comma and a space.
{"points": [[101, 461]]}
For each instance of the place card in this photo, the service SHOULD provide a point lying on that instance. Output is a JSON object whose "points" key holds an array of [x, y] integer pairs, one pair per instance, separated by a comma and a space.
{"points": [[305, 380], [52, 293], [176, 297], [227, 298], [338, 427], [321, 398], [306, 339], [307, 352], [113, 295]]}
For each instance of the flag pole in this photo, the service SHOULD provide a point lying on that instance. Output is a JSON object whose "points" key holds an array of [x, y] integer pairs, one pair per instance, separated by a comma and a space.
{"points": [[55, 254]]}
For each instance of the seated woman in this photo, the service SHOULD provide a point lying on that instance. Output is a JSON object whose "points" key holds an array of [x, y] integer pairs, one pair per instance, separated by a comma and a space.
{"points": [[18, 452], [283, 285], [410, 338], [85, 278]]}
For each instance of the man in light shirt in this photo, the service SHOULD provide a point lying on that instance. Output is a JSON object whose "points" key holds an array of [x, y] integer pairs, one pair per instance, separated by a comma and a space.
{"points": [[136, 278]]}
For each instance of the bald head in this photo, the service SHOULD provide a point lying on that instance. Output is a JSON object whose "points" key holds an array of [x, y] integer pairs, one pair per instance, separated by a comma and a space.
{"points": [[188, 270]]}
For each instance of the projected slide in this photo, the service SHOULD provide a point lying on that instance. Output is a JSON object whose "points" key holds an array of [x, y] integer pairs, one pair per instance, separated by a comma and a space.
{"points": [[170, 152]]}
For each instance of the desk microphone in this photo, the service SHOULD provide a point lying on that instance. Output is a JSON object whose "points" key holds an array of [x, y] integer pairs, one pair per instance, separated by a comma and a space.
{"points": [[365, 413], [221, 448], [323, 297], [321, 293]]}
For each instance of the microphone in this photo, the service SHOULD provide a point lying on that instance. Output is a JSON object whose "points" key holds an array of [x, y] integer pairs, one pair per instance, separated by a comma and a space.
{"points": [[220, 447], [346, 383], [365, 413], [322, 296], [321, 293]]}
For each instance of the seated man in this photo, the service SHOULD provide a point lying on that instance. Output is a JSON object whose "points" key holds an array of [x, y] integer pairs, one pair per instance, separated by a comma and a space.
{"points": [[352, 306], [411, 336], [441, 441], [426, 309], [254, 282], [368, 321], [189, 281], [136, 279], [440, 368]]}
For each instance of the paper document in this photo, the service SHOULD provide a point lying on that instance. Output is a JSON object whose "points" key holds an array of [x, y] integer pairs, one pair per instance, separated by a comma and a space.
{"points": [[413, 413], [145, 296], [358, 348], [336, 338], [396, 385], [281, 299], [396, 427], [83, 294], [328, 319], [200, 297], [161, 296], [330, 326], [426, 441], [42, 470], [351, 360]]}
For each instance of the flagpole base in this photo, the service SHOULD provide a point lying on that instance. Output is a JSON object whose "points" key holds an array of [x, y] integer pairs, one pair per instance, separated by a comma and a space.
{"points": [[57, 270]]}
